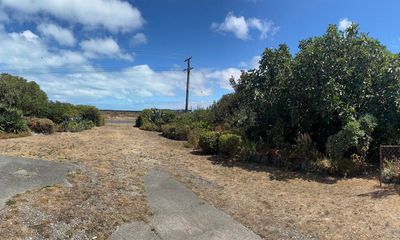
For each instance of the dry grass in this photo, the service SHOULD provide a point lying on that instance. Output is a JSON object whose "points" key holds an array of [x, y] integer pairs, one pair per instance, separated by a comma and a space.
{"points": [[4, 135], [108, 191]]}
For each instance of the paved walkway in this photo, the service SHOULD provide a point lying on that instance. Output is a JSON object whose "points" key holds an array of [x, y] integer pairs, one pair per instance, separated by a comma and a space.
{"points": [[179, 214], [20, 174]]}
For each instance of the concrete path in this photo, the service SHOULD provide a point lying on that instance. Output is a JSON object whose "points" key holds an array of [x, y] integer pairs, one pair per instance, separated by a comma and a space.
{"points": [[179, 214], [20, 174]]}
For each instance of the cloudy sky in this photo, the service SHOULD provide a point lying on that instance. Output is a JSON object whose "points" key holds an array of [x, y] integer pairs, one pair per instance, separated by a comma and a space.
{"points": [[119, 54]]}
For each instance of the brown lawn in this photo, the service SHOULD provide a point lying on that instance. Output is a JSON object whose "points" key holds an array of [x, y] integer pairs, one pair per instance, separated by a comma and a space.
{"points": [[108, 191]]}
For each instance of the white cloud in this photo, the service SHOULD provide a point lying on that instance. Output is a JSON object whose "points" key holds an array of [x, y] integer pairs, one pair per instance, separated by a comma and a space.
{"points": [[344, 24], [27, 35], [103, 47], [223, 76], [69, 75], [62, 35], [240, 26], [265, 27], [26, 50], [235, 25], [134, 83], [114, 15], [139, 38]]}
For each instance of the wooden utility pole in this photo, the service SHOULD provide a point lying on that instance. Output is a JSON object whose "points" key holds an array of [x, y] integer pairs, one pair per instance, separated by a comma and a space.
{"points": [[187, 82]]}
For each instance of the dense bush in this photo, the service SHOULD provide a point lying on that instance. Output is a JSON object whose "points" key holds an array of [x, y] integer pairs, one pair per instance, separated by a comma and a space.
{"points": [[332, 80], [91, 113], [348, 147], [193, 137], [31, 101], [208, 142], [153, 119], [12, 120], [175, 131], [340, 88], [16, 92], [41, 125], [75, 126], [303, 154], [229, 144], [60, 112]]}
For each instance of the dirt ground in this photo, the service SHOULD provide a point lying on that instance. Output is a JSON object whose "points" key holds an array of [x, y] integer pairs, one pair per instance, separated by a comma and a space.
{"points": [[108, 191]]}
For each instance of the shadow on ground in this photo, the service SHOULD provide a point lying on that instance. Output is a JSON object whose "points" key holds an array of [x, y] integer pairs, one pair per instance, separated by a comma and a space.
{"points": [[385, 191], [279, 174]]}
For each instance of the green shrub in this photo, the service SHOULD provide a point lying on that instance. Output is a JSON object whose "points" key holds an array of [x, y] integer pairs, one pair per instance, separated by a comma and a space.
{"points": [[17, 92], [148, 126], [41, 125], [208, 142], [75, 126], [349, 147], [60, 112], [153, 119], [175, 131], [247, 151], [91, 113], [12, 121], [229, 144], [194, 136]]}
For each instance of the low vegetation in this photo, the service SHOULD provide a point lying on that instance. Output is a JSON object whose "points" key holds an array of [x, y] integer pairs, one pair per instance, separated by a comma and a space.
{"points": [[12, 120], [326, 109], [25, 107], [41, 125]]}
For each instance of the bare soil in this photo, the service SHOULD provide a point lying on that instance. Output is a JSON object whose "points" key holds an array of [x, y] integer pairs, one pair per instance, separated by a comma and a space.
{"points": [[108, 191]]}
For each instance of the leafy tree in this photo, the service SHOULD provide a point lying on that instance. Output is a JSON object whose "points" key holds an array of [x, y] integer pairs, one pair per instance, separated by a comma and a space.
{"points": [[332, 80], [16, 92]]}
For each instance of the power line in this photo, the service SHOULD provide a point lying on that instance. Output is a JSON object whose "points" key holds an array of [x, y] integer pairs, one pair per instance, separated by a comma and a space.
{"points": [[55, 70]]}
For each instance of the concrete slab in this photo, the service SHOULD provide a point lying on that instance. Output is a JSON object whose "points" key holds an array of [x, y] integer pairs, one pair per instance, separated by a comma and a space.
{"points": [[134, 231], [179, 214], [20, 174]]}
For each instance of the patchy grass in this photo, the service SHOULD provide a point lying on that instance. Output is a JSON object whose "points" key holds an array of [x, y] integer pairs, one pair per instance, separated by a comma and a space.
{"points": [[11, 202], [108, 191], [4, 135]]}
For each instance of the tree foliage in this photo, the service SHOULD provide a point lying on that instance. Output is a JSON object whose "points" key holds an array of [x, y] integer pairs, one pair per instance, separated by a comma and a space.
{"points": [[332, 81], [16, 92]]}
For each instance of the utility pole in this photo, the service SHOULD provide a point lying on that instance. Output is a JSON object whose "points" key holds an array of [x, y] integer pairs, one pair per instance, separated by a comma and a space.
{"points": [[187, 82]]}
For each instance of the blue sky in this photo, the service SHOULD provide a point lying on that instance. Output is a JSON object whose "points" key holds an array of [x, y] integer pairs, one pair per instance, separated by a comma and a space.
{"points": [[129, 54]]}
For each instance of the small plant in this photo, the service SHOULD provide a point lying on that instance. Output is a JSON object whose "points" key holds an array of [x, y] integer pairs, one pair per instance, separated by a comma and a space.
{"points": [[247, 151], [208, 142], [11, 202], [75, 126], [175, 131], [348, 148], [153, 119], [391, 171], [229, 144], [303, 154], [91, 113], [12, 121], [193, 137], [41, 125]]}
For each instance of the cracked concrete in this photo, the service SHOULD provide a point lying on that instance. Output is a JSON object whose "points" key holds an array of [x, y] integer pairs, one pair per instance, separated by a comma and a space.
{"points": [[18, 175], [179, 214]]}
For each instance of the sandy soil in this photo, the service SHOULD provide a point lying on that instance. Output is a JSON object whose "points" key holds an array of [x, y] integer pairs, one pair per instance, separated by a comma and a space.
{"points": [[108, 191]]}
